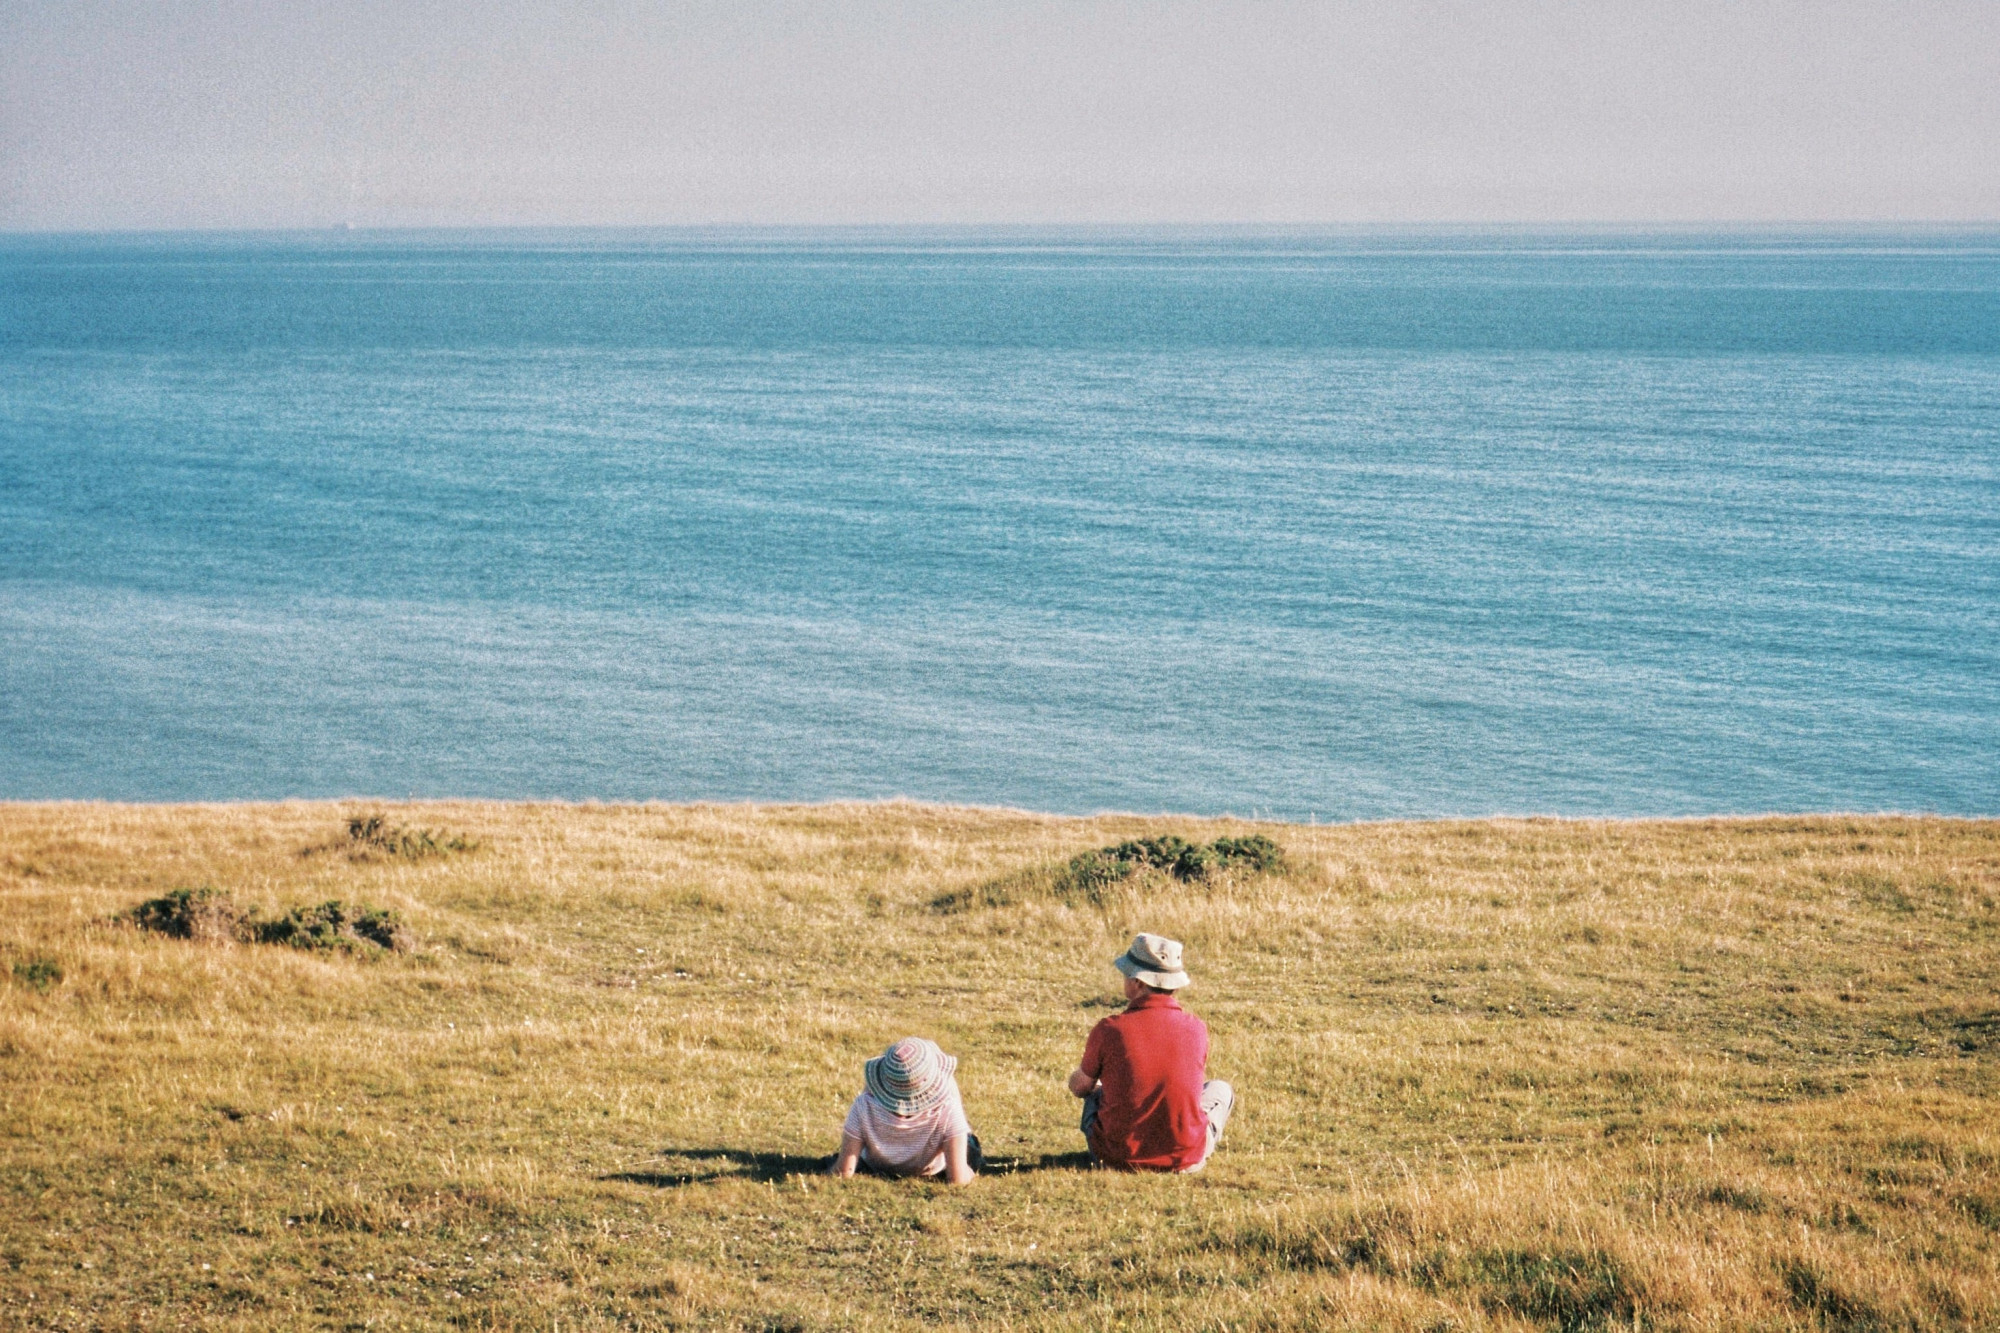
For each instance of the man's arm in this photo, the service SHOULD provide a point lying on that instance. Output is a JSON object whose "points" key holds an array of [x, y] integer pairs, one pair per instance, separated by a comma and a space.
{"points": [[849, 1159], [1083, 1079]]}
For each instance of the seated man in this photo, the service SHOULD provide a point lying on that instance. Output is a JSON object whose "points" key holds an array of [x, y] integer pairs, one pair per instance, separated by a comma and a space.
{"points": [[1146, 1106]]}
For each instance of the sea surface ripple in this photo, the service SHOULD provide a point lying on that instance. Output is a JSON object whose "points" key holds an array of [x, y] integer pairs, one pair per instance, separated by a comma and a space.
{"points": [[1329, 525]]}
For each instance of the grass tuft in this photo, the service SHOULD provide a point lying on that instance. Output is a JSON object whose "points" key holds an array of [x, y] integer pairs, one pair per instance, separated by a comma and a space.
{"points": [[1981, 1208], [1742, 1198], [1559, 1286], [1368, 1238], [1576, 1291], [1812, 1289], [38, 974]]}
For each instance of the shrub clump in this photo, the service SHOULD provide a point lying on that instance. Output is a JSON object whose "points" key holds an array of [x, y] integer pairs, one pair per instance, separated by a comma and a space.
{"points": [[210, 915], [372, 836], [1255, 852], [206, 914], [1189, 861], [335, 925], [1088, 876], [1170, 855]]}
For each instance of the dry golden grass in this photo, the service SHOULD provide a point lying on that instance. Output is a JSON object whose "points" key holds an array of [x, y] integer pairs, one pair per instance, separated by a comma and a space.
{"points": [[1494, 1075]]}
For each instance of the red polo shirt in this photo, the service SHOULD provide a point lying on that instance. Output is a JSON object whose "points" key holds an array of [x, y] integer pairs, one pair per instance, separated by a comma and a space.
{"points": [[1150, 1060]]}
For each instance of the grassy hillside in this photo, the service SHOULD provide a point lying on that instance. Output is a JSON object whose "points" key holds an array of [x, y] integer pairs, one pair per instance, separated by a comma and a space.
{"points": [[1732, 1074]]}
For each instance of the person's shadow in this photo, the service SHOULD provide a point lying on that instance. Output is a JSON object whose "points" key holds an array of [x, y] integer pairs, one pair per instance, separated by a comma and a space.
{"points": [[1048, 1161], [730, 1164], [766, 1167]]}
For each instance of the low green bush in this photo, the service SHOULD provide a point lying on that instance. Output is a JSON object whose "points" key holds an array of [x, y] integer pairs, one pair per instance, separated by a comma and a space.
{"points": [[208, 914], [334, 925], [1089, 877], [1255, 852]]}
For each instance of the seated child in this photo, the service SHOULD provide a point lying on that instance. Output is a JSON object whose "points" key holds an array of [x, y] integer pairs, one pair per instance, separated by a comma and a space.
{"points": [[909, 1121]]}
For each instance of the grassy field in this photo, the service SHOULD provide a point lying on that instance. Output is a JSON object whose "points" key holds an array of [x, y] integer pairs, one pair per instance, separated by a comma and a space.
{"points": [[1493, 1075]]}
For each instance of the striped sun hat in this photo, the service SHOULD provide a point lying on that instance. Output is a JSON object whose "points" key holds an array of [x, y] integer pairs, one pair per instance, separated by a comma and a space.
{"points": [[912, 1076]]}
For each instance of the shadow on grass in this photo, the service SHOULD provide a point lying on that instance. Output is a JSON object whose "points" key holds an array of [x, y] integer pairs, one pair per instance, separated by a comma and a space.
{"points": [[1048, 1161], [731, 1164], [765, 1167]]}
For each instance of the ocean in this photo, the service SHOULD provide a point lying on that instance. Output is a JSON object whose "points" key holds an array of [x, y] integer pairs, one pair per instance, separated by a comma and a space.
{"points": [[1331, 525]]}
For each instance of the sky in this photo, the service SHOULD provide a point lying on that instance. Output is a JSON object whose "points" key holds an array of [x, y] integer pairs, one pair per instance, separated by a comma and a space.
{"points": [[145, 114]]}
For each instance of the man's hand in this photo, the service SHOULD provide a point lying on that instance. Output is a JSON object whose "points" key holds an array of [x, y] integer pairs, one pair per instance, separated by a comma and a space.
{"points": [[1081, 1084]]}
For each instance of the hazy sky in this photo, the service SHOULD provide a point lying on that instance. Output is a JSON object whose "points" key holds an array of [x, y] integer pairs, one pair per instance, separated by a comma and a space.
{"points": [[224, 114]]}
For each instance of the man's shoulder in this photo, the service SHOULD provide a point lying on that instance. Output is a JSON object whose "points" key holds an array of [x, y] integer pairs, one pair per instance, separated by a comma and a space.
{"points": [[1158, 1018], [1120, 1029], [1174, 1027]]}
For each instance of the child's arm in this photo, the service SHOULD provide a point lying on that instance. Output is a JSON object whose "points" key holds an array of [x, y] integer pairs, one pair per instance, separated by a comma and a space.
{"points": [[957, 1169], [849, 1159]]}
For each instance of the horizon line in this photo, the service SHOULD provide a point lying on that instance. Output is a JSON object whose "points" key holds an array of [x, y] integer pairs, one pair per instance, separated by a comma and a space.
{"points": [[1573, 226]]}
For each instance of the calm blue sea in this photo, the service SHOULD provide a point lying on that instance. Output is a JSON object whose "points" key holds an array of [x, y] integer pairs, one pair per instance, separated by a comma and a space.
{"points": [[1323, 525]]}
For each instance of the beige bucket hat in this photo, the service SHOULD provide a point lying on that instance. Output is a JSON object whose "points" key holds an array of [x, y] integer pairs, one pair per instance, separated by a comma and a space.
{"points": [[1154, 960]]}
